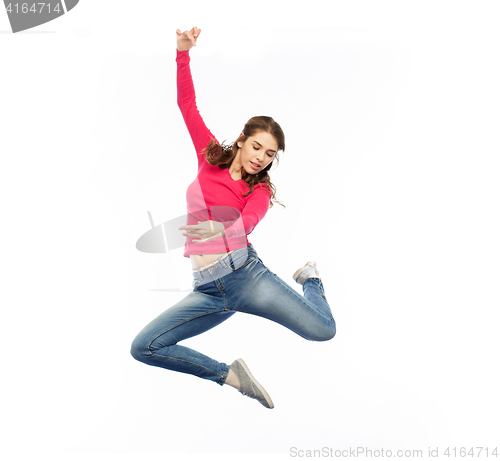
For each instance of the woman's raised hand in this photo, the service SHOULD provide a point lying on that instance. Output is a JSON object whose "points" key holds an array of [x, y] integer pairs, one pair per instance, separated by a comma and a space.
{"points": [[187, 39]]}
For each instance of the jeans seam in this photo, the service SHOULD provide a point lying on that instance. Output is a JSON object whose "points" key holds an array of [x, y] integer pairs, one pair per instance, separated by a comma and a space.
{"points": [[178, 324], [222, 380], [221, 280], [191, 363], [320, 284], [221, 289]]}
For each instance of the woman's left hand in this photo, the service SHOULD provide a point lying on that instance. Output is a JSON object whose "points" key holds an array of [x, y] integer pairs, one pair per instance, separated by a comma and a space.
{"points": [[203, 230]]}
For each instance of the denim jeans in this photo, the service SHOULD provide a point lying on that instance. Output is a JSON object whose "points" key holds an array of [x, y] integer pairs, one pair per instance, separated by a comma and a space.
{"points": [[240, 282]]}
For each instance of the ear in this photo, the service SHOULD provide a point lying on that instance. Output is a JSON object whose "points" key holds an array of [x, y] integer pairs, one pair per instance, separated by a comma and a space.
{"points": [[239, 143]]}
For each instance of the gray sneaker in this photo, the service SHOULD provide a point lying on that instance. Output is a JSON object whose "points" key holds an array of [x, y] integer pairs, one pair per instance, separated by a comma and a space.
{"points": [[309, 270], [249, 386]]}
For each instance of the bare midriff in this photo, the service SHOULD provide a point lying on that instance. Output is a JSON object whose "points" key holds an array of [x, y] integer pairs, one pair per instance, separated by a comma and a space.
{"points": [[200, 261]]}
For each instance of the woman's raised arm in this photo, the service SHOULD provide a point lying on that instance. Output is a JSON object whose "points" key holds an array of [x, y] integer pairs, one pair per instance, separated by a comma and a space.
{"points": [[186, 97]]}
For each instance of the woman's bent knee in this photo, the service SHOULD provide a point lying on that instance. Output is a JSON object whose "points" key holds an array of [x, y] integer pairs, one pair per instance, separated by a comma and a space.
{"points": [[139, 349], [325, 334], [331, 334]]}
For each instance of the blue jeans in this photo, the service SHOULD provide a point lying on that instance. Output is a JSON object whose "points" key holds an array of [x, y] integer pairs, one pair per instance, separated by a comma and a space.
{"points": [[238, 283]]}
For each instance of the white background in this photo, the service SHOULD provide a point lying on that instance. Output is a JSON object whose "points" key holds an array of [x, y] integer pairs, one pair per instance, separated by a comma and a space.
{"points": [[390, 181]]}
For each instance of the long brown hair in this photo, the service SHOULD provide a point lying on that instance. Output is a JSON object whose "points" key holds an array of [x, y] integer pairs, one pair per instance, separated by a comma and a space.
{"points": [[223, 155]]}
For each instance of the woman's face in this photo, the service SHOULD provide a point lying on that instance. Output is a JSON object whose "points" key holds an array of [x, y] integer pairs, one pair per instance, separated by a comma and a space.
{"points": [[257, 151]]}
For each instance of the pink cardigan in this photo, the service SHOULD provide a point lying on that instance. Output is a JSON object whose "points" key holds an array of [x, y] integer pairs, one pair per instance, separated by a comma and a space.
{"points": [[214, 194]]}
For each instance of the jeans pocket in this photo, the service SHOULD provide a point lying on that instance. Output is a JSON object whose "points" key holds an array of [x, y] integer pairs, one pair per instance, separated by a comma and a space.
{"points": [[239, 265]]}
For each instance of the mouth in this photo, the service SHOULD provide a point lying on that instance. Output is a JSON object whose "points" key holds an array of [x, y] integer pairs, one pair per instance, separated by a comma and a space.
{"points": [[255, 166]]}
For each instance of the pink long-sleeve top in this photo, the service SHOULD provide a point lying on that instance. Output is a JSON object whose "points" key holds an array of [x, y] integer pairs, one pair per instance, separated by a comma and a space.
{"points": [[214, 194]]}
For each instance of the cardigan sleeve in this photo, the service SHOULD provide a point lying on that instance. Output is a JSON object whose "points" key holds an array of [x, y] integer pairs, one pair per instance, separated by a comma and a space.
{"points": [[186, 100]]}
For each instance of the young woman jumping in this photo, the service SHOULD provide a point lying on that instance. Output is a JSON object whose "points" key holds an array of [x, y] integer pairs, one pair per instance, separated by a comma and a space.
{"points": [[229, 197]]}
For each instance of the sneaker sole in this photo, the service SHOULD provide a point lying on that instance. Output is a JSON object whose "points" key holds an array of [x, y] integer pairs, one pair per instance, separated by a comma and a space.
{"points": [[261, 389]]}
